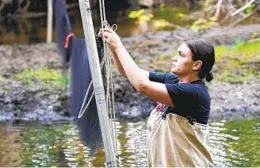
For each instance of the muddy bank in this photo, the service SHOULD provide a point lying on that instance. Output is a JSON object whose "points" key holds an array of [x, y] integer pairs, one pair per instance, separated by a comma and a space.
{"points": [[39, 102], [36, 102]]}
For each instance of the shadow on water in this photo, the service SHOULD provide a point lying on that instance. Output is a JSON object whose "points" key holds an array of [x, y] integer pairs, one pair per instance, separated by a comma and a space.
{"points": [[234, 143]]}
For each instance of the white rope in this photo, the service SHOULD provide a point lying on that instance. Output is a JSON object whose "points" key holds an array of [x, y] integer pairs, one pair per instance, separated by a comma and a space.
{"points": [[106, 65], [82, 111], [109, 81], [104, 10], [110, 92], [81, 114], [113, 112], [110, 99]]}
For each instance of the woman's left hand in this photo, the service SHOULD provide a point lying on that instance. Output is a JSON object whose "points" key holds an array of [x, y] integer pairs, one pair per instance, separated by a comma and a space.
{"points": [[111, 38]]}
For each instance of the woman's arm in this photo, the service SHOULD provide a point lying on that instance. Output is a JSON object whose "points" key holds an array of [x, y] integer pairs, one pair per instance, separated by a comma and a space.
{"points": [[120, 67], [138, 78], [118, 64]]}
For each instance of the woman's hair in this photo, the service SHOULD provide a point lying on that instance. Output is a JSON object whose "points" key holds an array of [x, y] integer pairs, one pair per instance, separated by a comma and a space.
{"points": [[202, 50]]}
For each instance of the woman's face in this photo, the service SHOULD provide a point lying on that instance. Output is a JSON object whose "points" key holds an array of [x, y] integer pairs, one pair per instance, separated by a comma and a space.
{"points": [[182, 64]]}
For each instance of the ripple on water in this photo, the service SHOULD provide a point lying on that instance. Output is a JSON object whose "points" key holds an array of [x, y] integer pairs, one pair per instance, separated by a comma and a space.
{"points": [[233, 143], [236, 143]]}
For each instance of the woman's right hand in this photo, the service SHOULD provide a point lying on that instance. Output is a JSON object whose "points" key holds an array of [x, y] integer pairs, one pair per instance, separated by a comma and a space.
{"points": [[111, 38]]}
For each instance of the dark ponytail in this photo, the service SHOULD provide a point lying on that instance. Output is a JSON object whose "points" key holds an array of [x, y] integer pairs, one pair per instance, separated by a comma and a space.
{"points": [[202, 50], [209, 77]]}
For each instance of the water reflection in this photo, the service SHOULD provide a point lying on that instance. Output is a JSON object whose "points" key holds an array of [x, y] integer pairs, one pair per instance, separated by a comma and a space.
{"points": [[219, 142], [10, 146], [31, 28], [133, 150], [234, 143]]}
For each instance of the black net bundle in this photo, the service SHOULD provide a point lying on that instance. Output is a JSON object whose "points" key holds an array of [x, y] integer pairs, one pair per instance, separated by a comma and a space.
{"points": [[80, 77]]}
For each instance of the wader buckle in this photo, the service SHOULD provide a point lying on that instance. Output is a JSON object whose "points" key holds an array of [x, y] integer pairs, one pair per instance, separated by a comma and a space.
{"points": [[191, 120]]}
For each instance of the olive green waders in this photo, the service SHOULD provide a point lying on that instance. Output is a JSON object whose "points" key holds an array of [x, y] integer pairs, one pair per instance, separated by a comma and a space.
{"points": [[175, 142]]}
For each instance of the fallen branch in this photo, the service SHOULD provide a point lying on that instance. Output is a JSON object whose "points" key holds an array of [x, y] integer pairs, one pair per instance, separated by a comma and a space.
{"points": [[218, 6], [245, 17], [243, 8]]}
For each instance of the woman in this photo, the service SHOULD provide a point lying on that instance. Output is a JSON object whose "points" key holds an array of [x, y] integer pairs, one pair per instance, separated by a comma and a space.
{"points": [[177, 127]]}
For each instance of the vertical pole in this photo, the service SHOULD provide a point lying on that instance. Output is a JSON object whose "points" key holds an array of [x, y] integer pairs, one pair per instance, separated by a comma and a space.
{"points": [[49, 21], [88, 27]]}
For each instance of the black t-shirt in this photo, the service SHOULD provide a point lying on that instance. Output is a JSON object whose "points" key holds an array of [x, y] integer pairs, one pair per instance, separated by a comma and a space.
{"points": [[190, 99]]}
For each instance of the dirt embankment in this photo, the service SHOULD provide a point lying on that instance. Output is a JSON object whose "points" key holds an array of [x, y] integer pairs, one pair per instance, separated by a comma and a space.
{"points": [[38, 102]]}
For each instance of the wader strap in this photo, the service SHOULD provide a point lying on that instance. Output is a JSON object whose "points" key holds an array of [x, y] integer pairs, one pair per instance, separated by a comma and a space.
{"points": [[167, 110]]}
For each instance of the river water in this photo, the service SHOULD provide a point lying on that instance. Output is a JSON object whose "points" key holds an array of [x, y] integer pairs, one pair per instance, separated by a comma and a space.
{"points": [[234, 143], [29, 28]]}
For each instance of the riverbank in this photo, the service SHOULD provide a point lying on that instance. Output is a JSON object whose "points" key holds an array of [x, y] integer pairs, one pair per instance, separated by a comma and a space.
{"points": [[235, 91]]}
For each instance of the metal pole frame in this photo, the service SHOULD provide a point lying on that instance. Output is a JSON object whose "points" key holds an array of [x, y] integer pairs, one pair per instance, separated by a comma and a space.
{"points": [[49, 21], [88, 27]]}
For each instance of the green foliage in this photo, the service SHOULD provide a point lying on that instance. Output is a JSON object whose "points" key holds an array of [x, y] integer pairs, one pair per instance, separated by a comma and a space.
{"points": [[1, 77], [168, 18], [250, 8], [140, 16], [254, 35], [202, 24], [171, 14], [247, 144], [164, 17], [238, 44], [163, 24], [136, 14], [237, 61], [232, 76], [220, 51], [207, 3], [44, 75]]}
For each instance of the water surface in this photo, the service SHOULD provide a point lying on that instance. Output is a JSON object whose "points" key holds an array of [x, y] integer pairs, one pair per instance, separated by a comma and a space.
{"points": [[28, 29], [234, 143]]}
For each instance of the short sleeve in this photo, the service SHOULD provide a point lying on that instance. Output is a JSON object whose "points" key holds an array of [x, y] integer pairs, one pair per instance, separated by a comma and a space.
{"points": [[181, 92], [190, 100], [163, 77]]}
